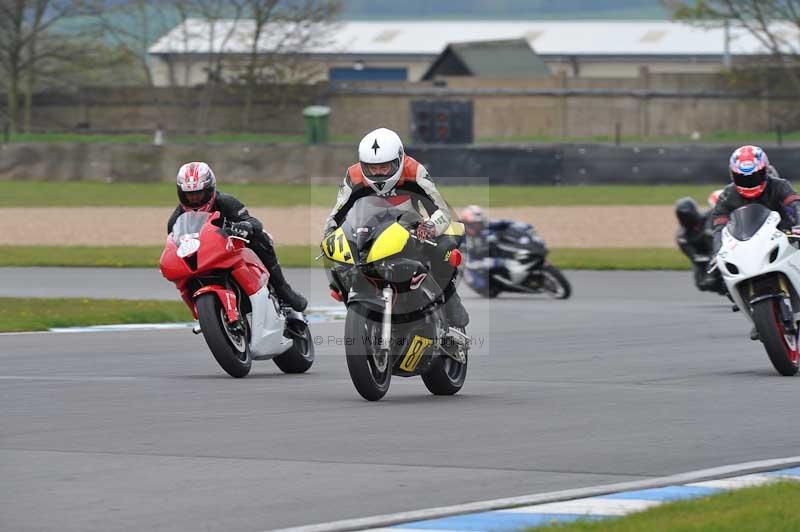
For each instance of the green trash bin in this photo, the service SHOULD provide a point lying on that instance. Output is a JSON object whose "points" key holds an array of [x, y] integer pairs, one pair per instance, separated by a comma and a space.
{"points": [[315, 119]]}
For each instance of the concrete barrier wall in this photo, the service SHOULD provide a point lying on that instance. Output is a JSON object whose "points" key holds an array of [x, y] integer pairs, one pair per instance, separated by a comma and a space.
{"points": [[238, 163], [556, 107], [297, 163]]}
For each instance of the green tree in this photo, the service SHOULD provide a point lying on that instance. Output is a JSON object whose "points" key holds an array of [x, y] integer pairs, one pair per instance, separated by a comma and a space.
{"points": [[26, 30]]}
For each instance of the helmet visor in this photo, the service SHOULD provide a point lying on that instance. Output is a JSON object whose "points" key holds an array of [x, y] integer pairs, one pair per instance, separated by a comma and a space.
{"points": [[195, 198], [380, 172], [750, 181]]}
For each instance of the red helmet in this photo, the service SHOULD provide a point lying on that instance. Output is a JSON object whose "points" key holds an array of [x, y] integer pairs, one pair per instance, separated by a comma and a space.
{"points": [[749, 166], [197, 186]]}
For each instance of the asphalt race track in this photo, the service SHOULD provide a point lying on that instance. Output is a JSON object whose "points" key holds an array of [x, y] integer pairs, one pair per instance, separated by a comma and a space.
{"points": [[637, 376]]}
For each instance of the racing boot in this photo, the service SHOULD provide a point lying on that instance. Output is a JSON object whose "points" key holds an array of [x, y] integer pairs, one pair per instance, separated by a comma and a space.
{"points": [[290, 297], [457, 315]]}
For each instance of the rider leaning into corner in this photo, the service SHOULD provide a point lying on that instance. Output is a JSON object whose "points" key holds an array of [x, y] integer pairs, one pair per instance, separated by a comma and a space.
{"points": [[695, 239], [383, 169], [755, 181], [197, 191]]}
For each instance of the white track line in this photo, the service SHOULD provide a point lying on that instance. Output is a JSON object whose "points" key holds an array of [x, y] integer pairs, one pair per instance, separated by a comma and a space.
{"points": [[386, 520], [591, 506], [326, 314], [747, 481]]}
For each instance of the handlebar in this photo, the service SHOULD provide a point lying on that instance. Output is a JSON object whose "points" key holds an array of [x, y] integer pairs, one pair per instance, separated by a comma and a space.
{"points": [[418, 239]]}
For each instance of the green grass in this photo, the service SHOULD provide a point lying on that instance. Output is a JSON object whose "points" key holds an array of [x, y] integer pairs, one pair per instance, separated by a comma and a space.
{"points": [[303, 257], [125, 194], [120, 257], [770, 508], [26, 314], [619, 259]]}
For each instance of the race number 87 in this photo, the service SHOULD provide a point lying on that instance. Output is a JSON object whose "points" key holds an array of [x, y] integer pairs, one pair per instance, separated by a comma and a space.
{"points": [[330, 243]]}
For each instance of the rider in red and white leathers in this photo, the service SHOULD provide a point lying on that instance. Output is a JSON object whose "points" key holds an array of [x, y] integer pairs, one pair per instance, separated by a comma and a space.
{"points": [[385, 170]]}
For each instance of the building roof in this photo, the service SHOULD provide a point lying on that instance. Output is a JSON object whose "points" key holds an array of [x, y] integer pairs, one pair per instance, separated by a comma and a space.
{"points": [[509, 58], [430, 38]]}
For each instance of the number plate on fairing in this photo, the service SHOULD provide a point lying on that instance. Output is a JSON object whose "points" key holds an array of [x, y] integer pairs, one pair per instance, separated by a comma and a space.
{"points": [[414, 354], [189, 245], [336, 247]]}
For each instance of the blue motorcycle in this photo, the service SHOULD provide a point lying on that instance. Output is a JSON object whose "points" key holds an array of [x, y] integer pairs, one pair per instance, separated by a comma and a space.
{"points": [[512, 257]]}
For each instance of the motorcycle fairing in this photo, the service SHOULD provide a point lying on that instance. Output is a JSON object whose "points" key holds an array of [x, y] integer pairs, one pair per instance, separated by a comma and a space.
{"points": [[337, 248], [265, 340], [226, 298], [454, 229], [764, 265], [251, 274], [391, 241]]}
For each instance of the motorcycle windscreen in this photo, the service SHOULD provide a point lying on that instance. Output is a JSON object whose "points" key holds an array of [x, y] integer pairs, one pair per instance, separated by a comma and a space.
{"points": [[371, 211], [188, 223], [746, 221]]}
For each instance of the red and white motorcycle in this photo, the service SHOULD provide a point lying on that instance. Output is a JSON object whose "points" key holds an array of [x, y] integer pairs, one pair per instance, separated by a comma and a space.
{"points": [[761, 268], [225, 285]]}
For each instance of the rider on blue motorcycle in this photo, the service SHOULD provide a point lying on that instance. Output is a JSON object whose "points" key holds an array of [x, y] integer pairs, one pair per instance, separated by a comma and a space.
{"points": [[483, 234]]}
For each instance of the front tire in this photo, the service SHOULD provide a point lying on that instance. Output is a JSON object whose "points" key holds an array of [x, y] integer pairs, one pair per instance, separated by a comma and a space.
{"points": [[370, 370], [554, 283], [782, 351], [446, 375], [229, 348], [299, 357]]}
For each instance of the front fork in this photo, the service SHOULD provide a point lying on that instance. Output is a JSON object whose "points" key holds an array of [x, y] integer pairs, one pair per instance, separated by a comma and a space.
{"points": [[386, 325], [787, 316]]}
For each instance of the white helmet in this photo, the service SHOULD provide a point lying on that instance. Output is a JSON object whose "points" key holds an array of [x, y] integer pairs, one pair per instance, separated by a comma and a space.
{"points": [[377, 147], [197, 186]]}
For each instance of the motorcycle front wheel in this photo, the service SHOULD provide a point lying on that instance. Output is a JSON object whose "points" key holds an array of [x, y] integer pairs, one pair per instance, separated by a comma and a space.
{"points": [[781, 345], [554, 283], [370, 367], [228, 344]]}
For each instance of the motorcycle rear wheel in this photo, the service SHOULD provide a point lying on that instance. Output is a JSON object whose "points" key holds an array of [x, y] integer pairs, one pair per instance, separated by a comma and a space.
{"points": [[446, 375], [784, 356], [370, 371], [300, 357], [229, 348]]}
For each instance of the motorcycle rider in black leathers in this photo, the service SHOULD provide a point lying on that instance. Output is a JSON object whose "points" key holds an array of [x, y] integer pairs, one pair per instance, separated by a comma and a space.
{"points": [[755, 181], [695, 239], [197, 191]]}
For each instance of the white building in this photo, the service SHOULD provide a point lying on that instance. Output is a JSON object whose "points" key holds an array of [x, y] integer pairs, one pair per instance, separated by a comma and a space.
{"points": [[403, 50]]}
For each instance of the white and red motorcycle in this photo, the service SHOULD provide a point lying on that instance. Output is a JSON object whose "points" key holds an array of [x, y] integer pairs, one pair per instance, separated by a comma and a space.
{"points": [[760, 265]]}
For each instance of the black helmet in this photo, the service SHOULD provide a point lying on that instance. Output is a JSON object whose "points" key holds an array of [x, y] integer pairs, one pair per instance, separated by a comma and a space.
{"points": [[687, 212]]}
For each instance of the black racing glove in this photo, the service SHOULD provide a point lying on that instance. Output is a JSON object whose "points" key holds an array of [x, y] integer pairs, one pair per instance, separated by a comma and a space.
{"points": [[329, 229], [242, 229]]}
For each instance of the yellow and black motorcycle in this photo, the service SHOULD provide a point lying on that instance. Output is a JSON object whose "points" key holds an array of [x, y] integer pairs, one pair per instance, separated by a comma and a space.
{"points": [[395, 322]]}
